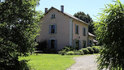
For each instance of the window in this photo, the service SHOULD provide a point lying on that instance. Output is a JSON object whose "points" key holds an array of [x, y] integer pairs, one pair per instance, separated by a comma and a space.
{"points": [[52, 43], [84, 44], [52, 16], [76, 29], [77, 44], [84, 31], [52, 29]]}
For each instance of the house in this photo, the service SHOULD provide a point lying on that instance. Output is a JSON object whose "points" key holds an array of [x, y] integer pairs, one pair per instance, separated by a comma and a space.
{"points": [[60, 29], [91, 39]]}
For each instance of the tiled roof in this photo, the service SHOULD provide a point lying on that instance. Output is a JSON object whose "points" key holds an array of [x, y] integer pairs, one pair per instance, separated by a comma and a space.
{"points": [[71, 16], [91, 34], [95, 40]]}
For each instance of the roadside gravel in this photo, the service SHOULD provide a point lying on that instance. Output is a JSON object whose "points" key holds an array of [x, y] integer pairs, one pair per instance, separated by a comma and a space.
{"points": [[86, 62]]}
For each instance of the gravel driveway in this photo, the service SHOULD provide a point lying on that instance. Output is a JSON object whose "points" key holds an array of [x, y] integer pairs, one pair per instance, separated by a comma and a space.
{"points": [[86, 62]]}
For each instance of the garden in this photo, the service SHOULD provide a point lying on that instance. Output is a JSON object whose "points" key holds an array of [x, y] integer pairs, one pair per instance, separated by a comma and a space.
{"points": [[61, 61]]}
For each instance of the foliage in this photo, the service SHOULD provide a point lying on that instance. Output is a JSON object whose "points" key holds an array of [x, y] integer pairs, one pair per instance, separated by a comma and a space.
{"points": [[91, 51], [81, 52], [88, 50], [84, 17], [62, 52], [70, 53], [85, 50], [110, 31], [68, 48], [74, 52], [18, 29], [49, 61], [96, 49], [87, 19]]}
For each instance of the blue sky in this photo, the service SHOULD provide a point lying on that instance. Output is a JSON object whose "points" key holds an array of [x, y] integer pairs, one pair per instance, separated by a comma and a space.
{"points": [[91, 7]]}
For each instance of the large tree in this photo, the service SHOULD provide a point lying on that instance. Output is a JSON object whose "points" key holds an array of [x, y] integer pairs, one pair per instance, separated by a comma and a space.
{"points": [[18, 29], [110, 31], [87, 19]]}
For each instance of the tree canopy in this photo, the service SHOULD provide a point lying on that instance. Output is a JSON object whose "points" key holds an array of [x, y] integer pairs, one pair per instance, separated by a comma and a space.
{"points": [[18, 29], [87, 19], [110, 31]]}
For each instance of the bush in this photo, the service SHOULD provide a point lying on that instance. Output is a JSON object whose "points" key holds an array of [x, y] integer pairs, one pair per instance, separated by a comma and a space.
{"points": [[96, 49], [85, 50], [62, 52], [70, 53], [81, 52], [77, 53], [68, 48], [91, 51]]}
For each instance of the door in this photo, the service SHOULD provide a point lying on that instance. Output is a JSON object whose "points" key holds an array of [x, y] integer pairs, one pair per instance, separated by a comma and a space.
{"points": [[52, 44]]}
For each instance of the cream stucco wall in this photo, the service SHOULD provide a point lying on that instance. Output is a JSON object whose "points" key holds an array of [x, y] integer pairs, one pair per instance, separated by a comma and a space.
{"points": [[62, 34], [65, 34], [80, 36]]}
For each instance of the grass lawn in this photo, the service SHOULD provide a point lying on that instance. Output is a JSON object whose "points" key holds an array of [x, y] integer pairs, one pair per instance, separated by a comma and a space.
{"points": [[49, 61]]}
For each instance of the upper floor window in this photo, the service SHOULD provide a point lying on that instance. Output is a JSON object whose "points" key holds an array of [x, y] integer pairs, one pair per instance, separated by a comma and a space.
{"points": [[53, 16], [76, 29], [84, 31], [52, 29]]}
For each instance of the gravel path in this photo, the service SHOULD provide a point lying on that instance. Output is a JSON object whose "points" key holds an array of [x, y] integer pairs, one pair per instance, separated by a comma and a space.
{"points": [[86, 62]]}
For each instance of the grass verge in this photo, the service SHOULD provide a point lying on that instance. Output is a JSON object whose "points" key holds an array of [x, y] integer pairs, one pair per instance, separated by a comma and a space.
{"points": [[49, 61]]}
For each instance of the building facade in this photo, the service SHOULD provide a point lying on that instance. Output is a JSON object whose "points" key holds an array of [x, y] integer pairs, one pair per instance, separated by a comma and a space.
{"points": [[60, 29]]}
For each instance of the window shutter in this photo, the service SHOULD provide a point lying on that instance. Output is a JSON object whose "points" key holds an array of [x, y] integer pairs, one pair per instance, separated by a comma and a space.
{"points": [[55, 28], [49, 29], [49, 43], [56, 44], [75, 29], [79, 44]]}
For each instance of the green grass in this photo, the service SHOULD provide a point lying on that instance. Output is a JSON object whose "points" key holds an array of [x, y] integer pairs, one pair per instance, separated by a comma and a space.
{"points": [[49, 61]]}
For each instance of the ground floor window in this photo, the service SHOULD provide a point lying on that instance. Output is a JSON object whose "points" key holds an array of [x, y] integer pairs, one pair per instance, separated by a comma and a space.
{"points": [[52, 44], [84, 44], [90, 43], [77, 44]]}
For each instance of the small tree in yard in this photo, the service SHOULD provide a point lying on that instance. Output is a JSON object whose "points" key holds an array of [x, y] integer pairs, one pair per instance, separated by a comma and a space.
{"points": [[110, 31], [18, 29]]}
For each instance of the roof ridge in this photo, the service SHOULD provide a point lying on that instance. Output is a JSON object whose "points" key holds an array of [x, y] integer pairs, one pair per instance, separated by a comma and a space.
{"points": [[69, 15]]}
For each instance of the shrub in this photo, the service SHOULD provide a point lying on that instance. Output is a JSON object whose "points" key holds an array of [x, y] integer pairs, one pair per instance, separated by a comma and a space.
{"points": [[62, 52], [96, 49], [70, 53], [85, 50], [77, 53], [91, 51], [68, 48], [81, 52]]}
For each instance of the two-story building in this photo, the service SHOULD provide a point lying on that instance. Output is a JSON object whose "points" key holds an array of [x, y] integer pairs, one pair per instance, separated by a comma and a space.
{"points": [[60, 29]]}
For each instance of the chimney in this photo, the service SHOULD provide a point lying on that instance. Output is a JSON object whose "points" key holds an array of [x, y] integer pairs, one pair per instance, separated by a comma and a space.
{"points": [[62, 8], [46, 10]]}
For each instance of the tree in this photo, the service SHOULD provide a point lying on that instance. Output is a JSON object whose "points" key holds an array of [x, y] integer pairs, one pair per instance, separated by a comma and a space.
{"points": [[18, 29], [87, 19], [110, 31]]}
